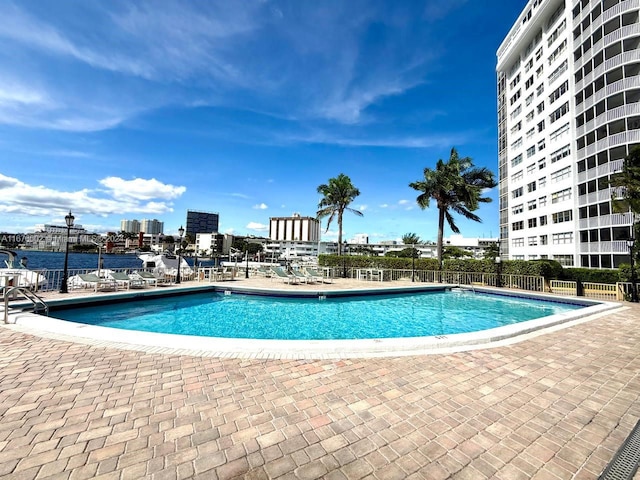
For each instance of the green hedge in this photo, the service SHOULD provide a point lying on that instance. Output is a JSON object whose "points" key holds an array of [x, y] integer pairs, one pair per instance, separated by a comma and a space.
{"points": [[592, 275], [549, 269]]}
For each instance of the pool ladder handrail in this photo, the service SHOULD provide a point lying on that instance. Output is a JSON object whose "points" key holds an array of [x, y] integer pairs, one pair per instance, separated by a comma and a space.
{"points": [[39, 304]]}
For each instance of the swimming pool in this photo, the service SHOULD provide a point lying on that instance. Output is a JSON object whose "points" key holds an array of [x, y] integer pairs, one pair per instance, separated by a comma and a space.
{"points": [[214, 314]]}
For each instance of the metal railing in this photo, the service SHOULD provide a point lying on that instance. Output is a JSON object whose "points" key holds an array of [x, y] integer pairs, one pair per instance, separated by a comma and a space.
{"points": [[39, 305]]}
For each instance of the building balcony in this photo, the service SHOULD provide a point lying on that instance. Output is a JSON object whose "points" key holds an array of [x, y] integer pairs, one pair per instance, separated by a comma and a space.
{"points": [[622, 138], [616, 246], [611, 220]]}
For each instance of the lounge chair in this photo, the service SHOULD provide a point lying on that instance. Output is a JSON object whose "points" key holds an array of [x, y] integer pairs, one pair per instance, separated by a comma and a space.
{"points": [[129, 281], [147, 277], [98, 284], [280, 273], [317, 276], [302, 276], [264, 272]]}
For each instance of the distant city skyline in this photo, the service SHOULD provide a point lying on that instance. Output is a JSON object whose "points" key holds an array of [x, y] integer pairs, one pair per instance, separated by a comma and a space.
{"points": [[243, 109]]}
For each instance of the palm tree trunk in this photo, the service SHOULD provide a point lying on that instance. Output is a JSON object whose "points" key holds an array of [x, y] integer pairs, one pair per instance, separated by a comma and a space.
{"points": [[439, 248], [339, 233]]}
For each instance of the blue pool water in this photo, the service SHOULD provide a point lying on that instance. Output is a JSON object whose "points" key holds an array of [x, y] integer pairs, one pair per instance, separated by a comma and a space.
{"points": [[260, 317]]}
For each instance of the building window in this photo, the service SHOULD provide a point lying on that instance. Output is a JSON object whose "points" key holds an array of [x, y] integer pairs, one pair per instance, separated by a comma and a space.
{"points": [[541, 144], [540, 89], [517, 209], [515, 81], [542, 163], [532, 241], [515, 226], [561, 174], [532, 204], [542, 201], [564, 260], [529, 116], [515, 97], [516, 160], [556, 33], [516, 128], [563, 129], [517, 176], [543, 239], [558, 92], [560, 154], [517, 242], [531, 168], [559, 49], [518, 192], [531, 151], [558, 71], [562, 238], [531, 187], [529, 83], [530, 132], [516, 144], [561, 217], [516, 112], [541, 126], [543, 220], [540, 107], [542, 182], [532, 222], [557, 114], [561, 196]]}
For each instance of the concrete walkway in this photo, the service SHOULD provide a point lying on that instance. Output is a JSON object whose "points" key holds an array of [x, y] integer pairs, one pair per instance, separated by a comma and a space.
{"points": [[555, 406]]}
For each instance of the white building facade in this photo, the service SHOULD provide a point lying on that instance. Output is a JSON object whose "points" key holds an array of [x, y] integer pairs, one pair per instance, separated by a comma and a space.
{"points": [[294, 228], [568, 114]]}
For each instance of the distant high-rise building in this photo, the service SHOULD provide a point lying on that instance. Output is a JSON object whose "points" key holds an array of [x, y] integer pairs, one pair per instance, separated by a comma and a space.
{"points": [[153, 227], [297, 228], [568, 77], [130, 226], [201, 222]]}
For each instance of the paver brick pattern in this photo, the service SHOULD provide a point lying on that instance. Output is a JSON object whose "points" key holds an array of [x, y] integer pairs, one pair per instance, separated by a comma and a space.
{"points": [[557, 406]]}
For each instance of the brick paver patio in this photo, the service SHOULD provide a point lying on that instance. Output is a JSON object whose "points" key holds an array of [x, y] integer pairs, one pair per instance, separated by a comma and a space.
{"points": [[554, 407]]}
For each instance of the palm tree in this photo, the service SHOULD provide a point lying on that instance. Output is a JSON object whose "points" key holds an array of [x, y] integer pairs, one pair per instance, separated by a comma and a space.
{"points": [[455, 185], [337, 196]]}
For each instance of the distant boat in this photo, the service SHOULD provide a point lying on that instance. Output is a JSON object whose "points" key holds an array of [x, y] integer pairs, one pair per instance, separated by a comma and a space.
{"points": [[16, 274], [164, 264]]}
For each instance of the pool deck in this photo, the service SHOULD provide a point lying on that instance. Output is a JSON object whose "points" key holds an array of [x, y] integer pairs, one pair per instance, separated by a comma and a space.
{"points": [[554, 406]]}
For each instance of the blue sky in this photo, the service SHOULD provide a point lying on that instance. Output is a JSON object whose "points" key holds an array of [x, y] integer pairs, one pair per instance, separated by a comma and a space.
{"points": [[121, 110]]}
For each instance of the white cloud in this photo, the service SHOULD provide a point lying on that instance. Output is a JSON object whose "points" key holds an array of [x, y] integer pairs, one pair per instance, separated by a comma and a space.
{"points": [[403, 202], [141, 189], [362, 208], [261, 206], [259, 227], [384, 205], [17, 197]]}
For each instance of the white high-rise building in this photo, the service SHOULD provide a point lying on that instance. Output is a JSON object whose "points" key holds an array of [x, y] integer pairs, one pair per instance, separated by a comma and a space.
{"points": [[568, 114], [294, 228]]}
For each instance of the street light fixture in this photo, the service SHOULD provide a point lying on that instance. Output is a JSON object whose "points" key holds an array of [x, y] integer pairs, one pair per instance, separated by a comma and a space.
{"points": [[180, 233], [634, 288], [68, 219]]}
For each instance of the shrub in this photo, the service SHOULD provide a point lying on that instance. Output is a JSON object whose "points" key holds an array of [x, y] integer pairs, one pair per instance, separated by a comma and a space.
{"points": [[592, 275]]}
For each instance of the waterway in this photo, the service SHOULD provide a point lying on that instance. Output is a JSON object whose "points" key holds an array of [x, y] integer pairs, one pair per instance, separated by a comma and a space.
{"points": [[37, 260]]}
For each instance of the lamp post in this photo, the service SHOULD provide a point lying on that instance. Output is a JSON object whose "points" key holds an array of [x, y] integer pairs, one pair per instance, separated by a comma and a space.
{"points": [[634, 288], [180, 233], [246, 272], [413, 263], [498, 261], [68, 219]]}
